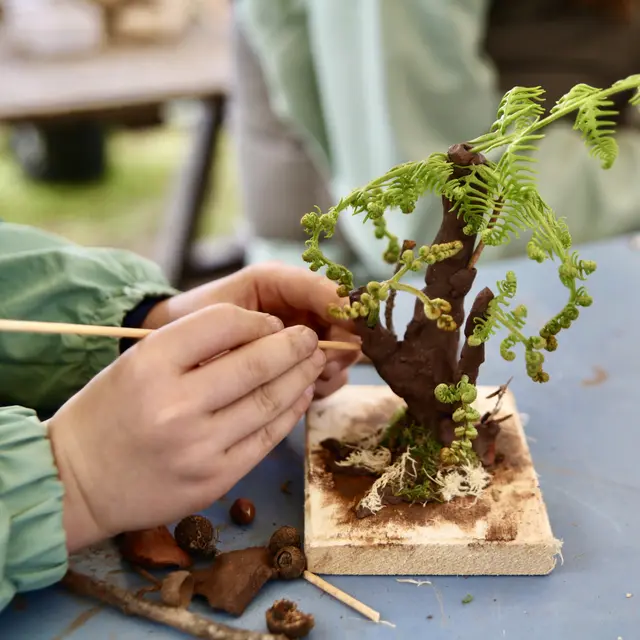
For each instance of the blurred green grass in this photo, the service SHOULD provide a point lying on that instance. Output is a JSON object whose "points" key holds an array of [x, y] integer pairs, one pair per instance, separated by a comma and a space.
{"points": [[126, 208]]}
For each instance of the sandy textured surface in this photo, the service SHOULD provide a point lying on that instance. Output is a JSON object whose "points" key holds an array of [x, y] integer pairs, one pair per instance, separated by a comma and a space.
{"points": [[505, 532]]}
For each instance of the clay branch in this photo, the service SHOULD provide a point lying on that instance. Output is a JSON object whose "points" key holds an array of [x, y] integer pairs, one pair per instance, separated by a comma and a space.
{"points": [[180, 619], [428, 355], [471, 358]]}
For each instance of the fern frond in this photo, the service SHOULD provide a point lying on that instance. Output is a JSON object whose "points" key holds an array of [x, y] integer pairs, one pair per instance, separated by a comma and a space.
{"points": [[594, 121], [486, 327], [519, 109]]}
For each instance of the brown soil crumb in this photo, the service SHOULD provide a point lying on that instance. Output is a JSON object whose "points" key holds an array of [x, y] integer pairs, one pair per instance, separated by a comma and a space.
{"points": [[286, 487], [600, 376], [504, 530]]}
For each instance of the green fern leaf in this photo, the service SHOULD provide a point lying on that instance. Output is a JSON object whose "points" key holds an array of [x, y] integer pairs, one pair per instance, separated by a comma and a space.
{"points": [[594, 121]]}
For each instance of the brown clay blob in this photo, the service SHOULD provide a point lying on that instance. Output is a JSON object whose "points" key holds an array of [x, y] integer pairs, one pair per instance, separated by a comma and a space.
{"points": [[177, 589], [286, 536], [196, 535], [285, 618], [290, 563], [242, 512], [152, 549]]}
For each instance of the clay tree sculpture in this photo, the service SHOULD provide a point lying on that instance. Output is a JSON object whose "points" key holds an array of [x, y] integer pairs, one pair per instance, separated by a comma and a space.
{"points": [[438, 447]]}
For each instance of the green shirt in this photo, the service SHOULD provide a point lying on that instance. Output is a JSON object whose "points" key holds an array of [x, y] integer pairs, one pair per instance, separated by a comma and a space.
{"points": [[368, 84], [43, 277]]}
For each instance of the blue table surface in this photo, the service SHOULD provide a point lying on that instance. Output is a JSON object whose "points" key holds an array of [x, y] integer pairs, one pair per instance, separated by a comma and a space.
{"points": [[584, 441]]}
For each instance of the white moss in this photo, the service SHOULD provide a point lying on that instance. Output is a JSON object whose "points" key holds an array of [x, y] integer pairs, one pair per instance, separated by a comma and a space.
{"points": [[370, 441], [375, 461], [394, 476], [466, 480]]}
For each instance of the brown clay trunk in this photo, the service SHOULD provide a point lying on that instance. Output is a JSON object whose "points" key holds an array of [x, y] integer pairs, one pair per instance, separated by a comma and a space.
{"points": [[428, 356]]}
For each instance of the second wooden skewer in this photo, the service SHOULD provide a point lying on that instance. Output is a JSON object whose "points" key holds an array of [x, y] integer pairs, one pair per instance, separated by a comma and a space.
{"points": [[26, 326]]}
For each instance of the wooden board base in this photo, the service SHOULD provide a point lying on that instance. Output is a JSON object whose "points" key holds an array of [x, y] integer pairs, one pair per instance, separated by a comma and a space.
{"points": [[504, 532]]}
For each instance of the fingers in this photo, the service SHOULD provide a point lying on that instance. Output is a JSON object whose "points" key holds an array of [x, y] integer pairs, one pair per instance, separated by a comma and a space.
{"points": [[330, 385], [209, 332], [281, 287], [240, 372], [267, 402], [246, 454]]}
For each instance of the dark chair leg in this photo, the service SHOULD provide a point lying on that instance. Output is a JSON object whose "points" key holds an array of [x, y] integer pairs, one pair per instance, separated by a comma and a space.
{"points": [[180, 228]]}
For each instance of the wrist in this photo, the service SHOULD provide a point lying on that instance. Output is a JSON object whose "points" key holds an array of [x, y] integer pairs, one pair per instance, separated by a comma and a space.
{"points": [[81, 528], [150, 313]]}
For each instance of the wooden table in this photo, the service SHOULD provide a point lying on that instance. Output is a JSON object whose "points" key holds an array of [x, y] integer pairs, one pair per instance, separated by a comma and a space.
{"points": [[125, 77]]}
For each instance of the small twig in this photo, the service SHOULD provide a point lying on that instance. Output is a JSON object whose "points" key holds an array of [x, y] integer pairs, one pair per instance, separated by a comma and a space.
{"points": [[155, 585], [146, 575], [345, 598], [25, 326], [180, 619], [499, 394]]}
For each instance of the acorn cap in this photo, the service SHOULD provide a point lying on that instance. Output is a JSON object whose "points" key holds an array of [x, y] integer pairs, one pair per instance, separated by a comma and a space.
{"points": [[285, 618]]}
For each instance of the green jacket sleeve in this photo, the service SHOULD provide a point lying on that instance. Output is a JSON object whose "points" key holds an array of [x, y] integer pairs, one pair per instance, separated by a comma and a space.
{"points": [[33, 550], [43, 277]]}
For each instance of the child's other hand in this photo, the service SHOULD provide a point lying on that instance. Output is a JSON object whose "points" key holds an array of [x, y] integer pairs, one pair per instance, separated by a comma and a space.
{"points": [[155, 436], [294, 294]]}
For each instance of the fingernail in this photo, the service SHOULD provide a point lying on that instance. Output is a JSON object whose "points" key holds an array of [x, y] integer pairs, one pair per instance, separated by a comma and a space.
{"points": [[276, 323], [309, 337], [319, 358], [309, 391]]}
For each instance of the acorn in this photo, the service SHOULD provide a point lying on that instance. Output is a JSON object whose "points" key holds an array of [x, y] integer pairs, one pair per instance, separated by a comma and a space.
{"points": [[242, 511], [196, 535], [284, 617], [290, 563], [284, 537]]}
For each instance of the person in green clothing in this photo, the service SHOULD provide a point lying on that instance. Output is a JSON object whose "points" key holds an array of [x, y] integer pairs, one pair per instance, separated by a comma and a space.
{"points": [[99, 437], [331, 94]]}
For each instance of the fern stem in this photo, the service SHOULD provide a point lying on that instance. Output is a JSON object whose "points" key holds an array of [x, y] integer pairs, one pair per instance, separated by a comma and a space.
{"points": [[475, 256], [619, 87]]}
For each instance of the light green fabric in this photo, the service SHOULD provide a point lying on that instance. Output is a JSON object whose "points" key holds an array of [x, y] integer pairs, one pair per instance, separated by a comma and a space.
{"points": [[399, 80], [43, 277]]}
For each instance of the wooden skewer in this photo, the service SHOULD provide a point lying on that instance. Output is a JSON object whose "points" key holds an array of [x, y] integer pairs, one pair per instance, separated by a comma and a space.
{"points": [[25, 326], [345, 598]]}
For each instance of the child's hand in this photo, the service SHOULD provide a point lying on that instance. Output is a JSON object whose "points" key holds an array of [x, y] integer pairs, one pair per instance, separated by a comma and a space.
{"points": [[155, 436], [294, 294]]}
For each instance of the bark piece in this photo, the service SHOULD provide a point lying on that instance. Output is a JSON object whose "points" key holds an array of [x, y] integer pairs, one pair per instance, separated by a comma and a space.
{"points": [[235, 578], [152, 549], [177, 589]]}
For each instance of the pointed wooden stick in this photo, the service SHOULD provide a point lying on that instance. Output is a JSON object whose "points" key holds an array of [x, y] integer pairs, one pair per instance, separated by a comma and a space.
{"points": [[25, 326], [345, 598]]}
